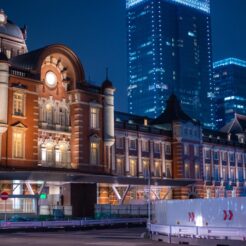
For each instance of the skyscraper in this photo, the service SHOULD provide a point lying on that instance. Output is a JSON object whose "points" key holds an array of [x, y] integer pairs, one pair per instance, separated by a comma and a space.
{"points": [[230, 89], [169, 50]]}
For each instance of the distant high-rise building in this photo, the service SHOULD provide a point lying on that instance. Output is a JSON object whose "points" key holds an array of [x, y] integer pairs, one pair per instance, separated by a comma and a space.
{"points": [[169, 50], [230, 89]]}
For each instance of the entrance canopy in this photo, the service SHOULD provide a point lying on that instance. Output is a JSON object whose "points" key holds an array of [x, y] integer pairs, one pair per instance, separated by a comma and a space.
{"points": [[76, 177]]}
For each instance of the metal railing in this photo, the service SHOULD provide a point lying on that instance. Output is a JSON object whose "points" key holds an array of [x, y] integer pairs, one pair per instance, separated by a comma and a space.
{"points": [[69, 223]]}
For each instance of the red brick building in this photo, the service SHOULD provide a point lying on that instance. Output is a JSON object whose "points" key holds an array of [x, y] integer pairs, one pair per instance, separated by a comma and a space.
{"points": [[59, 135]]}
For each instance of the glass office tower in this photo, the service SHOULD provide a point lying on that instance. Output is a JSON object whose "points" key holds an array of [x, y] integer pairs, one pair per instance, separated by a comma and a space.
{"points": [[169, 51], [230, 89]]}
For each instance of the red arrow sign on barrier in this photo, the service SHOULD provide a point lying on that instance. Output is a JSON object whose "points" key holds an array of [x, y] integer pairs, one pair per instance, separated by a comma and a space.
{"points": [[191, 216], [225, 214], [230, 215]]}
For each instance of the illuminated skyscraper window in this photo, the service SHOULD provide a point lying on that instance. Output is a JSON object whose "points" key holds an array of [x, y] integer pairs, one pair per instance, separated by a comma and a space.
{"points": [[169, 50]]}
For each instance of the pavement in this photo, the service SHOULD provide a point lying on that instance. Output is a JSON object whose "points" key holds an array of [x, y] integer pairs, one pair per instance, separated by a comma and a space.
{"points": [[103, 237]]}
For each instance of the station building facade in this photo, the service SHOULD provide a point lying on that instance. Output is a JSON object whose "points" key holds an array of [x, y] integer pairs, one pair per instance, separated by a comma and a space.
{"points": [[60, 135]]}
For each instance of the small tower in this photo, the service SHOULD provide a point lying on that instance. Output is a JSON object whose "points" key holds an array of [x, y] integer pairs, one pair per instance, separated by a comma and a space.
{"points": [[108, 91], [4, 79]]}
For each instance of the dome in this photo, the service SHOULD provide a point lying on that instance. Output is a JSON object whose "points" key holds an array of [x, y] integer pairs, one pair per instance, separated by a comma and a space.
{"points": [[107, 83], [8, 28]]}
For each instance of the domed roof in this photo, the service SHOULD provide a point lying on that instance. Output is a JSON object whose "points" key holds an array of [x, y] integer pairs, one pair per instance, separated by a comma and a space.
{"points": [[107, 83], [7, 27]]}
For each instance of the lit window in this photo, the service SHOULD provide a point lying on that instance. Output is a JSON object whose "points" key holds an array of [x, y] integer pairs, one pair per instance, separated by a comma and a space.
{"points": [[187, 170], [157, 170], [133, 167], [207, 172], [49, 153], [94, 153], [19, 104], [8, 53], [146, 170], [120, 166], [18, 144], [224, 173], [94, 119], [197, 171]]}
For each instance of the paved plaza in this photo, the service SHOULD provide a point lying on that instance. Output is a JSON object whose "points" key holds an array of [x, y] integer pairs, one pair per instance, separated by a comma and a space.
{"points": [[105, 237]]}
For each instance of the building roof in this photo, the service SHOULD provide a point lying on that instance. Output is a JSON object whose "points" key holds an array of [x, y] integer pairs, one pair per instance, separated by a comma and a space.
{"points": [[173, 112], [236, 125], [33, 60], [229, 61], [12, 30]]}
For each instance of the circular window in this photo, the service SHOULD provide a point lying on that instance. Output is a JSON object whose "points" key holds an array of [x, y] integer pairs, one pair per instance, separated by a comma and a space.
{"points": [[51, 79]]}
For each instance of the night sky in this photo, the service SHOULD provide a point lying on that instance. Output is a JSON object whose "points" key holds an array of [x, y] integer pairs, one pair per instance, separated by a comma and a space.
{"points": [[96, 31]]}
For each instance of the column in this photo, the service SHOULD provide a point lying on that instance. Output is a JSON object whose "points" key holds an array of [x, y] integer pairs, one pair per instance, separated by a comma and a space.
{"points": [[151, 162], [140, 169], [127, 155], [163, 159], [113, 158]]}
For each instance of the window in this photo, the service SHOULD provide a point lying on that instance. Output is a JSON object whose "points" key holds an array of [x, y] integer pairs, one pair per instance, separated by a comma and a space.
{"points": [[196, 150], [157, 147], [240, 174], [207, 172], [216, 173], [18, 144], [145, 146], [94, 153], [197, 171], [157, 169], [232, 173], [8, 53], [49, 153], [240, 157], [224, 156], [120, 166], [133, 167], [146, 168], [132, 144], [168, 149], [94, 118], [187, 170], [224, 173], [216, 155], [186, 149], [232, 157], [119, 143], [19, 104], [207, 153], [168, 170]]}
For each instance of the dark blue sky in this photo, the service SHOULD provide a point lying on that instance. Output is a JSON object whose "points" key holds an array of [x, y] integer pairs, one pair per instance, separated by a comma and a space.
{"points": [[95, 30]]}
